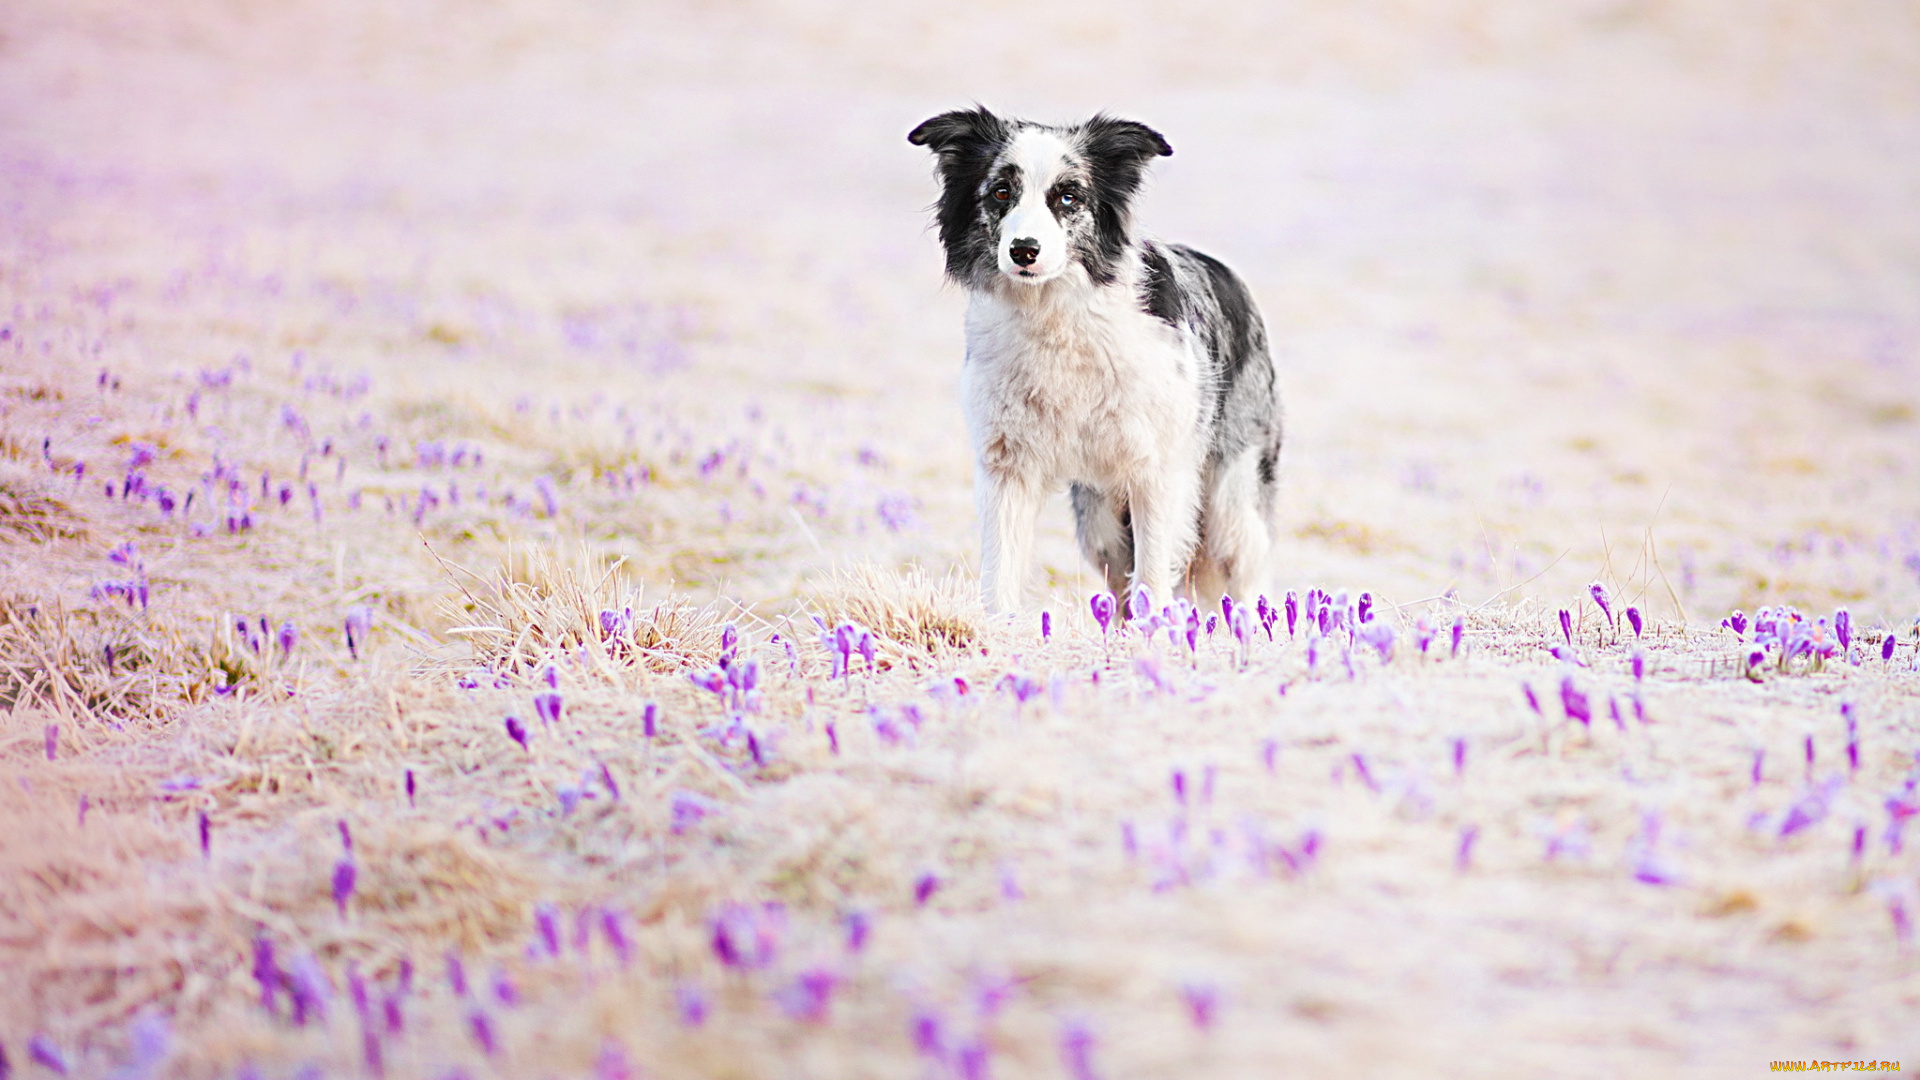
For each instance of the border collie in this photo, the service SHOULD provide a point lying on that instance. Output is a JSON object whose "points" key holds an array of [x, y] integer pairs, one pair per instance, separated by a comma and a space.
{"points": [[1133, 372]]}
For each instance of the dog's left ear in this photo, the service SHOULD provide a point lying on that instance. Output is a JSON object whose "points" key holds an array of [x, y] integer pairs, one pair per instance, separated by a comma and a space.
{"points": [[1122, 142]]}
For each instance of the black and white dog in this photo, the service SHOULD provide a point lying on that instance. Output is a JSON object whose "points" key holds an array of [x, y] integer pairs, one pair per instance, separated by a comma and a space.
{"points": [[1135, 372]]}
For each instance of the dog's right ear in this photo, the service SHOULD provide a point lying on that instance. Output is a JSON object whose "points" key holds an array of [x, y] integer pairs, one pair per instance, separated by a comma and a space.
{"points": [[956, 131]]}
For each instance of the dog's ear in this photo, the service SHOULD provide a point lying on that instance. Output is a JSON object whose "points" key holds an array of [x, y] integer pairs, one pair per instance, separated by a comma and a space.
{"points": [[957, 131], [1112, 141]]}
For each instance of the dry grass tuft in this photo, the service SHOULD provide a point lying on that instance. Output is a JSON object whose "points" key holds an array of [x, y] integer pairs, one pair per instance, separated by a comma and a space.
{"points": [[31, 515], [925, 617], [84, 662], [536, 607]]}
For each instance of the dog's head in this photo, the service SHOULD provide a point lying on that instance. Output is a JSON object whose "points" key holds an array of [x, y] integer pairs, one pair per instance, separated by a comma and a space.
{"points": [[1028, 202]]}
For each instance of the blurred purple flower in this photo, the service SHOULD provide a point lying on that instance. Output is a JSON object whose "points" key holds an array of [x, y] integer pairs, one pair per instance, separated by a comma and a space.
{"points": [[1566, 625], [1076, 1050], [1046, 625], [1533, 700], [482, 1028], [546, 920], [359, 622], [206, 836], [691, 1002], [809, 996], [1203, 1003], [1379, 635], [456, 974], [1463, 854], [1459, 757], [517, 731], [344, 876], [924, 887], [42, 1051], [859, 928], [410, 789], [53, 741], [1886, 648], [1843, 628], [1292, 605], [1574, 701], [308, 987], [688, 809], [265, 971], [548, 707], [616, 935]]}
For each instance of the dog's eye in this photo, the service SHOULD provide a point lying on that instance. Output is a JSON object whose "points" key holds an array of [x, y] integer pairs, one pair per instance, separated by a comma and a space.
{"points": [[1002, 193], [1068, 200]]}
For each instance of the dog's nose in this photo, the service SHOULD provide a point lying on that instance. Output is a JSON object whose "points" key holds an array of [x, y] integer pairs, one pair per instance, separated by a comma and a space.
{"points": [[1025, 251]]}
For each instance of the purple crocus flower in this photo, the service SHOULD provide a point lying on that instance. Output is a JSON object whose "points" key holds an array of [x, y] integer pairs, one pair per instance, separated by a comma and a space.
{"points": [[1459, 631], [1292, 606], [1046, 625], [1269, 753], [1853, 737], [1759, 763], [410, 789], [517, 731], [1809, 757], [309, 989], [691, 1002], [1463, 854], [924, 887], [688, 809], [859, 928], [358, 623], [1379, 635], [456, 974], [504, 991], [1459, 757], [616, 935], [1203, 1003], [1533, 700], [344, 876], [43, 1052], [1602, 600], [1633, 620], [206, 836], [1639, 664], [265, 971], [1574, 701], [546, 920], [482, 1027], [1179, 782], [1566, 625], [1102, 606], [346, 836], [1886, 649], [53, 741], [650, 720], [1076, 1050], [548, 707], [1843, 628], [1140, 604], [809, 996]]}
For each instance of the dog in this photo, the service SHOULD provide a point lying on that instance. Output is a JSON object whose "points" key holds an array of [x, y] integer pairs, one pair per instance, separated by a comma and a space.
{"points": [[1132, 372]]}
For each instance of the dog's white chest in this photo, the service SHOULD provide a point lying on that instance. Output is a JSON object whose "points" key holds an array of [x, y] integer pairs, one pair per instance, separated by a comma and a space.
{"points": [[1089, 389]]}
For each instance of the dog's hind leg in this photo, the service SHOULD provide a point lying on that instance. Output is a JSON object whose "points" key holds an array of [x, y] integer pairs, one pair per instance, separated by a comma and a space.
{"points": [[1236, 550], [1105, 530]]}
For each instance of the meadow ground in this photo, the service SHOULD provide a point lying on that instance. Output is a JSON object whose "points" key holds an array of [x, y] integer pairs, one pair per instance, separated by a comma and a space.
{"points": [[441, 446]]}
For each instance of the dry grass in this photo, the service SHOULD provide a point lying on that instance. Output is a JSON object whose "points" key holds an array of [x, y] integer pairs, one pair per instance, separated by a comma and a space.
{"points": [[581, 454]]}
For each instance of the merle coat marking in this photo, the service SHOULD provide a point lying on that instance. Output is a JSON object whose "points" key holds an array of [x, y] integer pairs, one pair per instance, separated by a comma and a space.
{"points": [[1133, 372]]}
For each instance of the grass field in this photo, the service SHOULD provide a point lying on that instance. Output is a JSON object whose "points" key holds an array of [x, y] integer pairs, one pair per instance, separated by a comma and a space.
{"points": [[489, 565]]}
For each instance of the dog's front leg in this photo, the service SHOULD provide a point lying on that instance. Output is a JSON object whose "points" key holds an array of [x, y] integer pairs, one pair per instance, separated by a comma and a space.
{"points": [[1009, 506], [1163, 512]]}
